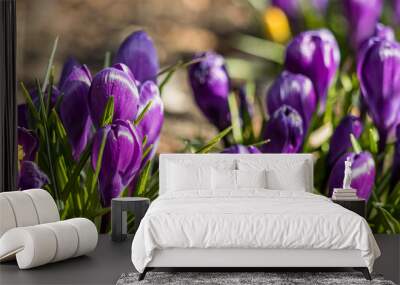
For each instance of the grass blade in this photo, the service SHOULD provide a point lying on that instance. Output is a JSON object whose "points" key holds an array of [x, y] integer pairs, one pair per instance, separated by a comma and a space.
{"points": [[211, 144], [49, 65]]}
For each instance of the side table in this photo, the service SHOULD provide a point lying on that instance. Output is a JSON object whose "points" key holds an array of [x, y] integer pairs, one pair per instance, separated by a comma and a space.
{"points": [[119, 207], [357, 206]]}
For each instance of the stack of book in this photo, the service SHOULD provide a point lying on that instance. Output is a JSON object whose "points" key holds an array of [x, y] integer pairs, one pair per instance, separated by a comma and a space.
{"points": [[344, 194]]}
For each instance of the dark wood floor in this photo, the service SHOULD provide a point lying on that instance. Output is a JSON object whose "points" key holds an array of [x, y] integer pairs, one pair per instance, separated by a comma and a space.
{"points": [[110, 259], [103, 266]]}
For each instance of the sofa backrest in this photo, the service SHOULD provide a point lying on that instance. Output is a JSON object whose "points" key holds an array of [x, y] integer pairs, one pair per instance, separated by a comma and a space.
{"points": [[26, 208], [286, 164]]}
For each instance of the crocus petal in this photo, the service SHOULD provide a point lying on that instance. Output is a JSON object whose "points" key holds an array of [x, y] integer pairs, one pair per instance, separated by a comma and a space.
{"points": [[316, 55], [28, 144], [118, 84], [138, 52], [121, 158], [211, 85], [31, 176], [284, 130], [295, 90], [66, 70], [340, 140], [74, 109], [379, 75], [362, 16], [363, 174], [238, 148], [153, 119]]}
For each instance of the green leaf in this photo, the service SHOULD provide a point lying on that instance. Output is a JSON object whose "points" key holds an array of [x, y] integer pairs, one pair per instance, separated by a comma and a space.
{"points": [[373, 139], [49, 65], [235, 118], [356, 146], [69, 188], [261, 143], [390, 221], [211, 144], [50, 89], [259, 47], [147, 151], [143, 113], [99, 162], [108, 114], [29, 102], [107, 59], [143, 179]]}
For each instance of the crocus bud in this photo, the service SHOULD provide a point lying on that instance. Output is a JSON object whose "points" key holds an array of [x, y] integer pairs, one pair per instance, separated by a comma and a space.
{"points": [[340, 141], [28, 144], [381, 32], [238, 148], [294, 90], [211, 85], [316, 55], [121, 158], [362, 16], [66, 70], [137, 51], [153, 119], [74, 108], [379, 75], [363, 173], [113, 82], [284, 130], [395, 178], [30, 176]]}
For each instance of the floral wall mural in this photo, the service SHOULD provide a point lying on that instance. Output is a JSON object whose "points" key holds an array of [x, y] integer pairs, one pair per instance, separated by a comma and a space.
{"points": [[321, 77]]}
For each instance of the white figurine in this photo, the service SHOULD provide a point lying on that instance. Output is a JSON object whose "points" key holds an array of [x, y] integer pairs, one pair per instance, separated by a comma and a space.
{"points": [[347, 173]]}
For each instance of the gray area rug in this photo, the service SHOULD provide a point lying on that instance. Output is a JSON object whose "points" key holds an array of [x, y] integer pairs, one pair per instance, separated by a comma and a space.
{"points": [[232, 278]]}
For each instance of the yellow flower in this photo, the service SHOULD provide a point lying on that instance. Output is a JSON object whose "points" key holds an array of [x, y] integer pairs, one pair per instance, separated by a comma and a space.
{"points": [[276, 25]]}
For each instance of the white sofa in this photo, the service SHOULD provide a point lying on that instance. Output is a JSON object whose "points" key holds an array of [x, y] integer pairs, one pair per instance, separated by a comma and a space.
{"points": [[31, 231]]}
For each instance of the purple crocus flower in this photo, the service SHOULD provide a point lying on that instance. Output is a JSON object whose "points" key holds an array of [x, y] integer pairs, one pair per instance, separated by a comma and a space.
{"points": [[316, 55], [363, 173], [379, 75], [238, 148], [66, 70], [118, 84], [293, 9], [395, 178], [22, 116], [138, 52], [284, 130], [28, 144], [396, 8], [153, 119], [121, 158], [74, 109], [295, 90], [340, 140], [30, 176], [362, 16], [211, 85], [384, 32]]}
